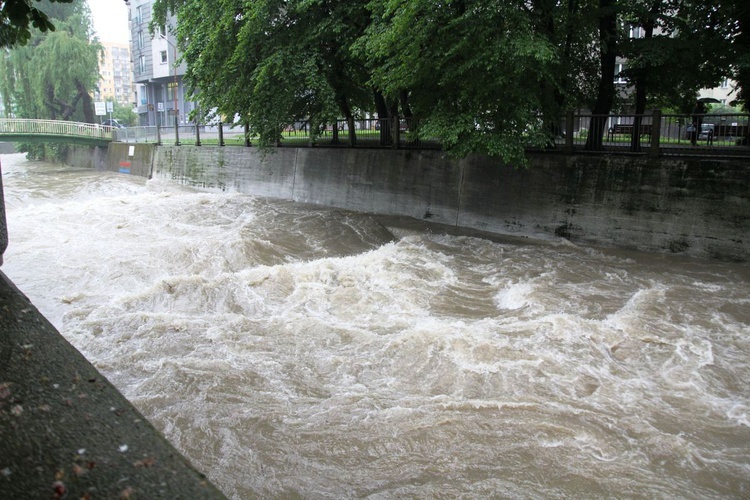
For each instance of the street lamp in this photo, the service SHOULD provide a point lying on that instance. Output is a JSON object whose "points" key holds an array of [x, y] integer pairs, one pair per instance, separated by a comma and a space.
{"points": [[174, 92]]}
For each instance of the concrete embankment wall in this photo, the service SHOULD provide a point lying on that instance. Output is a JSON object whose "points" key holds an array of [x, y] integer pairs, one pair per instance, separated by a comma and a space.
{"points": [[688, 205]]}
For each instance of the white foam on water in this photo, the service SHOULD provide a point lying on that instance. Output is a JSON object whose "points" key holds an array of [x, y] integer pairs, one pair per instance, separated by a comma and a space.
{"points": [[514, 296], [295, 350]]}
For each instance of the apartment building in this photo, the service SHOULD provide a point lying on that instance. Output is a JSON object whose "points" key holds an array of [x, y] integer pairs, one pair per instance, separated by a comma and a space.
{"points": [[116, 75], [159, 90]]}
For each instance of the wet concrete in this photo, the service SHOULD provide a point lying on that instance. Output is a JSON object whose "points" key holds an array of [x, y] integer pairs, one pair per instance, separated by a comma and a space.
{"points": [[65, 431]]}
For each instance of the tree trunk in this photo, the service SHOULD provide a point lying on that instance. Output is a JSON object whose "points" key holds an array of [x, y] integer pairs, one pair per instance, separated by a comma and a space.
{"points": [[552, 99], [641, 83], [607, 57], [50, 102], [86, 102], [384, 118]]}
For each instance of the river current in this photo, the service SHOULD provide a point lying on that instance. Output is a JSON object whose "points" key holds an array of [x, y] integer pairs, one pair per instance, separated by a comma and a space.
{"points": [[297, 351]]}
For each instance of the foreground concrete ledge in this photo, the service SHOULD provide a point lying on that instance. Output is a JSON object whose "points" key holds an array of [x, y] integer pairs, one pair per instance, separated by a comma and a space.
{"points": [[65, 431]]}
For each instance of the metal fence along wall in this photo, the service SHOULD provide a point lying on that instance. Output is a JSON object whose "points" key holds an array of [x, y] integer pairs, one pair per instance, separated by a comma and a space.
{"points": [[656, 134]]}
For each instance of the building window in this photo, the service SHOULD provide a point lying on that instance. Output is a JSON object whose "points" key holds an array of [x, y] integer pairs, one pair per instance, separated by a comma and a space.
{"points": [[163, 56], [139, 14], [140, 39], [619, 78], [725, 83], [171, 86], [142, 64], [163, 31]]}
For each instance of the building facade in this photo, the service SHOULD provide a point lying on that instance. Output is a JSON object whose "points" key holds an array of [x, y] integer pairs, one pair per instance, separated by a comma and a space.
{"points": [[725, 93], [116, 75], [159, 90]]}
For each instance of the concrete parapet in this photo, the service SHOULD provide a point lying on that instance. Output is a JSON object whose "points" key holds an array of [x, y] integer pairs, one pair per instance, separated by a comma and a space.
{"points": [[65, 431]]}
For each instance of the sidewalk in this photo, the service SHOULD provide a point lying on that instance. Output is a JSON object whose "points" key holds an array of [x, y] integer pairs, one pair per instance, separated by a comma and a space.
{"points": [[65, 431]]}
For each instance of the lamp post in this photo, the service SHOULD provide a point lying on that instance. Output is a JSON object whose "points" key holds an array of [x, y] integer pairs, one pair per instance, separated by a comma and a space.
{"points": [[174, 92]]}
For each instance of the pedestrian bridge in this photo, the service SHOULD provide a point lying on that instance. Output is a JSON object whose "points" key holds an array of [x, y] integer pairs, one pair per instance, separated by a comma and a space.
{"points": [[25, 130]]}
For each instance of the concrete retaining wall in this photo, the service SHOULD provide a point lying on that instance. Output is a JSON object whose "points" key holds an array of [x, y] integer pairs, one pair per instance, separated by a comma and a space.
{"points": [[693, 206], [134, 159], [86, 157], [688, 205]]}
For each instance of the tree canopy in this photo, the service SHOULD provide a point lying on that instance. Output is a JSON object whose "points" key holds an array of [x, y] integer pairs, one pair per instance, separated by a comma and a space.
{"points": [[483, 76], [54, 74], [18, 16]]}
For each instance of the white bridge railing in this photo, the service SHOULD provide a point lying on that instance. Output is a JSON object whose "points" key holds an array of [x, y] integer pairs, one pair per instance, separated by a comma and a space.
{"points": [[21, 126]]}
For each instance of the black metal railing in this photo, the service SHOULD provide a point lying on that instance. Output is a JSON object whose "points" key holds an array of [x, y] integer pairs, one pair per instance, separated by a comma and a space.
{"points": [[652, 133]]}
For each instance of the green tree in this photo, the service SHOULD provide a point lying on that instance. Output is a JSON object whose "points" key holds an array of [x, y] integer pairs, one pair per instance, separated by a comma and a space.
{"points": [[53, 75], [123, 114], [606, 44], [470, 70], [740, 65], [272, 62], [570, 27], [686, 46], [483, 76]]}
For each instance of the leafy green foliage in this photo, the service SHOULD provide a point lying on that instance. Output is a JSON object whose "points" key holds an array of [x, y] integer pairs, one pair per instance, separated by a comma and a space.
{"points": [[483, 76], [54, 73], [687, 47], [467, 67], [123, 114], [16, 17]]}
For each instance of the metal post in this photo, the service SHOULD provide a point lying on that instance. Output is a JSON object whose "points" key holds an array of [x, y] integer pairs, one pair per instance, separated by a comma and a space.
{"points": [[174, 93], [158, 134], [197, 133], [655, 133], [569, 125], [221, 134], [176, 131], [247, 135], [396, 131]]}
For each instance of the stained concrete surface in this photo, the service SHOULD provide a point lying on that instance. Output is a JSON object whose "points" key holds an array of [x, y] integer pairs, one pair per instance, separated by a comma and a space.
{"points": [[65, 431], [688, 205]]}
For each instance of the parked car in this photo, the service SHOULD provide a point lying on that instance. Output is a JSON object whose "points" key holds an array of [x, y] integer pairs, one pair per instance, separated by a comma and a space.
{"points": [[707, 131], [113, 123]]}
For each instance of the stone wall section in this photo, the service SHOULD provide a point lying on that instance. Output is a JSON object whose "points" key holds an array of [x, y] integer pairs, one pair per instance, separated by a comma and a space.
{"points": [[694, 206]]}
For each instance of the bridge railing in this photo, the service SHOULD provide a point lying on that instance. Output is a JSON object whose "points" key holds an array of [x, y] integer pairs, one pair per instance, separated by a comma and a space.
{"points": [[22, 126]]}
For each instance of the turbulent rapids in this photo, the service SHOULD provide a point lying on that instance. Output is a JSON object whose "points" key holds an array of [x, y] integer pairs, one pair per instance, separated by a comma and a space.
{"points": [[290, 350]]}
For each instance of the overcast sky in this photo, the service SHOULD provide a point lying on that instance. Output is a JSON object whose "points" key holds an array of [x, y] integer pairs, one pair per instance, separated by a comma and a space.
{"points": [[110, 20]]}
